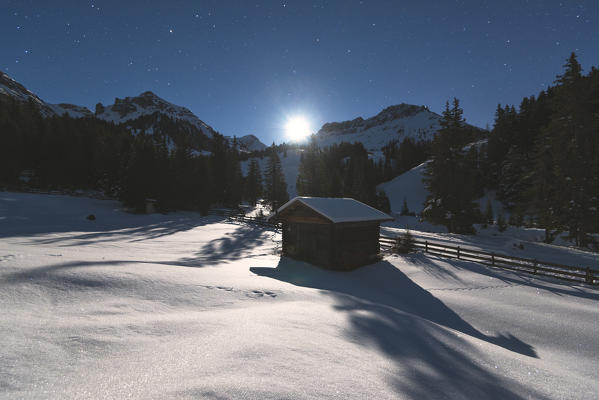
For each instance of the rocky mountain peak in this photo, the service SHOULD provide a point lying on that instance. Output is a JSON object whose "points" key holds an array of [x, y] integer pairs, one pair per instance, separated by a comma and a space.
{"points": [[400, 111], [11, 89], [395, 122]]}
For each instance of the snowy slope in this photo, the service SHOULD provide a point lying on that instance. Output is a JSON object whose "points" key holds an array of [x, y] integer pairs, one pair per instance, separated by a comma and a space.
{"points": [[9, 88], [184, 306], [122, 111], [247, 143], [147, 103], [408, 186], [393, 123], [250, 143], [72, 110]]}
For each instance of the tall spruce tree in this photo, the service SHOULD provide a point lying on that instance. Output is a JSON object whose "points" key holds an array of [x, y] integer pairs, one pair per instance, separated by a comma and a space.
{"points": [[253, 184], [450, 176], [311, 172], [233, 178], [275, 188], [569, 141]]}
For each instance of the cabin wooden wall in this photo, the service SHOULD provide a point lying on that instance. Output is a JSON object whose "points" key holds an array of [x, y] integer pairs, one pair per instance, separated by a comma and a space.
{"points": [[308, 242], [335, 246], [355, 244]]}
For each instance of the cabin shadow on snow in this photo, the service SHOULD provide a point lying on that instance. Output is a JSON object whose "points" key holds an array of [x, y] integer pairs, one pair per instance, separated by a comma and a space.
{"points": [[388, 310]]}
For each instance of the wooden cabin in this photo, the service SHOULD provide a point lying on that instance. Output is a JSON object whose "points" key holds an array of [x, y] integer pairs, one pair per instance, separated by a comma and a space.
{"points": [[335, 233]]}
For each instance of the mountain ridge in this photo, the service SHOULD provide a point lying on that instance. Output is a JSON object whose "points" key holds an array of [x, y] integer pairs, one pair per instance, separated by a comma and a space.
{"points": [[395, 122], [137, 113]]}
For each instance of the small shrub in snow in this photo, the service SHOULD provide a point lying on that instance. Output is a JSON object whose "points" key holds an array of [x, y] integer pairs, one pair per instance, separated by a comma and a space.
{"points": [[404, 243], [91, 217]]}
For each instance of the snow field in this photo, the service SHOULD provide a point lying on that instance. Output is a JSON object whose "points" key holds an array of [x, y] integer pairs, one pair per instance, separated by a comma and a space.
{"points": [[184, 306]]}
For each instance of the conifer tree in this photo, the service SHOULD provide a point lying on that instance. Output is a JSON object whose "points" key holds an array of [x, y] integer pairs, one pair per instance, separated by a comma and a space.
{"points": [[311, 172], [219, 165], [233, 178], [404, 208], [501, 224], [569, 141], [275, 188], [450, 176], [253, 182], [489, 216]]}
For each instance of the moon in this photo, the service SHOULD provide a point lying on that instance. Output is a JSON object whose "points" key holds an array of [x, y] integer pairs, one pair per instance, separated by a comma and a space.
{"points": [[297, 128]]}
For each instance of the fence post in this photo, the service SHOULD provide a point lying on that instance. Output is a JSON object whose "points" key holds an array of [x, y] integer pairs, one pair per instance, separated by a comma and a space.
{"points": [[589, 277], [458, 252], [535, 266], [493, 258], [426, 246]]}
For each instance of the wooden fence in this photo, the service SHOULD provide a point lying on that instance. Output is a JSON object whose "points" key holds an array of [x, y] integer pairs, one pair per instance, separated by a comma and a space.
{"points": [[520, 264], [240, 217]]}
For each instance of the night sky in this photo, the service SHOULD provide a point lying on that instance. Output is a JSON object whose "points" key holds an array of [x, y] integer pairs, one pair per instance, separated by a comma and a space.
{"points": [[246, 67]]}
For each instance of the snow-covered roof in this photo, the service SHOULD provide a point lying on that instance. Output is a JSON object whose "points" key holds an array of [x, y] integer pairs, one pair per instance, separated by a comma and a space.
{"points": [[338, 210]]}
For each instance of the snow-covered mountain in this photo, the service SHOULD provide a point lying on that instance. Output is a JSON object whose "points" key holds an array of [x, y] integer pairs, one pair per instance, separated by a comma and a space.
{"points": [[72, 110], [141, 113], [148, 103], [393, 123], [248, 143], [11, 89]]}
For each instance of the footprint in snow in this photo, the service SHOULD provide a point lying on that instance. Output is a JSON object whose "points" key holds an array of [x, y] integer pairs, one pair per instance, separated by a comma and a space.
{"points": [[260, 293]]}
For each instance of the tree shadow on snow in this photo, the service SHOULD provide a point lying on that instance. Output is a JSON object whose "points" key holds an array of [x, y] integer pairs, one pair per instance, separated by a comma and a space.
{"points": [[153, 228], [234, 245], [431, 268], [556, 286], [390, 311]]}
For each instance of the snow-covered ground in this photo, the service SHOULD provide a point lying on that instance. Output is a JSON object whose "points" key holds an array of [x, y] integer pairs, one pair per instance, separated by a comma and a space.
{"points": [[520, 241], [183, 306], [408, 186]]}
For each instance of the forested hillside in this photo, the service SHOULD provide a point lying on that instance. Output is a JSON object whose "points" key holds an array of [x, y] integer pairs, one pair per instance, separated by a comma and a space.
{"points": [[127, 162], [542, 159]]}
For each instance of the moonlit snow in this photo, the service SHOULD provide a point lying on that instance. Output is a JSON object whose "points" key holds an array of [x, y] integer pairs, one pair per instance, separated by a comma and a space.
{"points": [[184, 306]]}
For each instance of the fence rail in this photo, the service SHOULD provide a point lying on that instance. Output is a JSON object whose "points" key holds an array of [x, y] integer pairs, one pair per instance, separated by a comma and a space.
{"points": [[513, 263], [520, 264], [240, 217]]}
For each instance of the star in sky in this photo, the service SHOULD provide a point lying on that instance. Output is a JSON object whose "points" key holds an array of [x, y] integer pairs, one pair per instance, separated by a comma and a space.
{"points": [[270, 57]]}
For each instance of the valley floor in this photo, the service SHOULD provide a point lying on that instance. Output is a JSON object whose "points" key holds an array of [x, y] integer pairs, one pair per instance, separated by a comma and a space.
{"points": [[183, 306]]}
